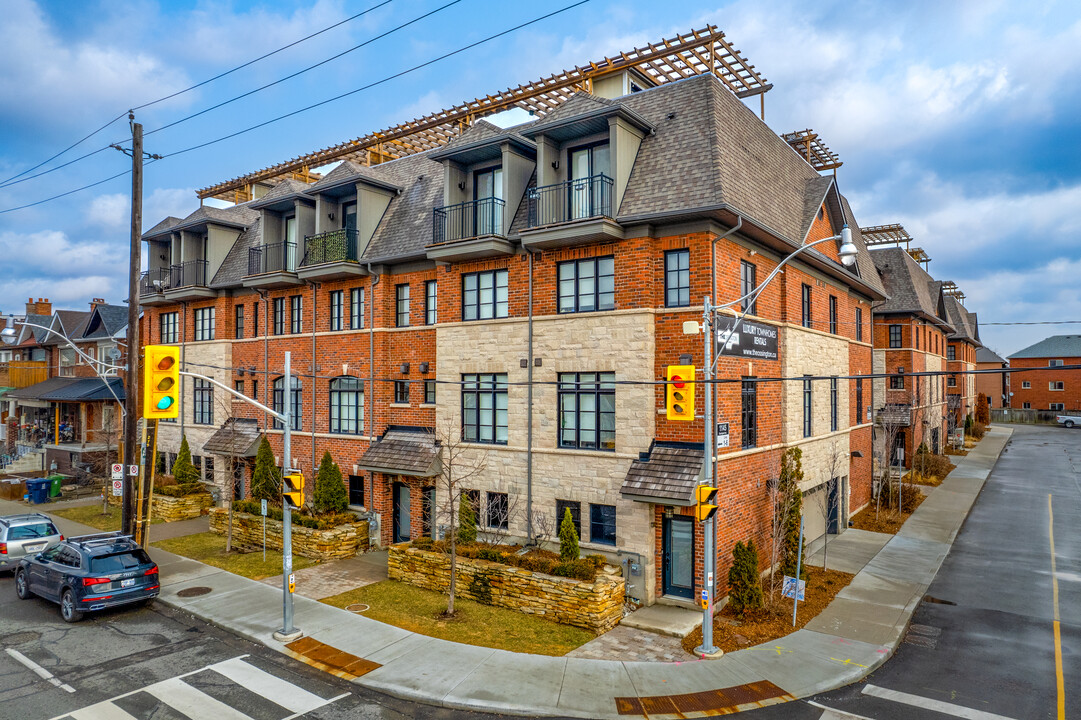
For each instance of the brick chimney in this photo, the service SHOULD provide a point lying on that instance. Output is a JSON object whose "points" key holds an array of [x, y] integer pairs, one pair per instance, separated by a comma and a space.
{"points": [[41, 307], [95, 302]]}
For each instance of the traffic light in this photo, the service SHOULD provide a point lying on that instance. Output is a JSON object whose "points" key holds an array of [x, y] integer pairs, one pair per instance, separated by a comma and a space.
{"points": [[679, 392], [293, 489], [705, 497], [161, 382]]}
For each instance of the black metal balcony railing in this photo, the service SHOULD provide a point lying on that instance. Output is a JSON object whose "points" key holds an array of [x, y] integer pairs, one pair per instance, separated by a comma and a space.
{"points": [[571, 200], [468, 220], [190, 273], [332, 246], [275, 257], [154, 281]]}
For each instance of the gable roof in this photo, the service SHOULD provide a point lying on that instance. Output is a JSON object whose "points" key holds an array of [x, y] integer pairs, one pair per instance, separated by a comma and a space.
{"points": [[911, 290], [105, 321], [71, 322], [162, 227], [287, 188], [964, 322], [1056, 346], [239, 216], [987, 355], [348, 173]]}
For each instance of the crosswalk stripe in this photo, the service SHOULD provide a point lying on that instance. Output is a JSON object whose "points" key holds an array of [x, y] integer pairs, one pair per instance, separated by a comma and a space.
{"points": [[194, 703], [936, 705], [296, 699], [101, 711]]}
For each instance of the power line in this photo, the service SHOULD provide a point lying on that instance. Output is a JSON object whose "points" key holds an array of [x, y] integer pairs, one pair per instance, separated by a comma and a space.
{"points": [[65, 194], [10, 180]]}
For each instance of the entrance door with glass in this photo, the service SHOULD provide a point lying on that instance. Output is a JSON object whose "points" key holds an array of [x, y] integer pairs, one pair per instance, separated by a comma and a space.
{"points": [[588, 193], [487, 192], [401, 512], [678, 548]]}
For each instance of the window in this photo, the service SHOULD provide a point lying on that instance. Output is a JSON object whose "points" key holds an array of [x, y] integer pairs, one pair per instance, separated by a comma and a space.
{"points": [[1054, 363], [602, 524], [346, 405], [897, 382], [833, 404], [401, 305], [279, 316], [473, 498], [238, 322], [562, 506], [429, 392], [747, 283], [806, 408], [203, 406], [677, 278], [295, 402], [806, 318], [254, 389], [401, 392], [587, 285], [951, 381], [430, 302], [1026, 406], [498, 511], [916, 340], [1055, 385], [589, 197], [859, 324], [204, 323], [168, 328], [296, 308], [587, 410], [255, 319], [484, 295], [208, 468], [1026, 385], [749, 412], [859, 400], [238, 385], [356, 308], [833, 314], [484, 408], [1058, 406], [335, 309], [951, 352], [356, 489], [895, 336]]}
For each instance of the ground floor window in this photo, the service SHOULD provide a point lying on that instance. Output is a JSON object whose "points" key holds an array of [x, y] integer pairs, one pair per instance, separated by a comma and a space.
{"points": [[356, 489], [562, 506], [498, 511], [602, 524], [1058, 406]]}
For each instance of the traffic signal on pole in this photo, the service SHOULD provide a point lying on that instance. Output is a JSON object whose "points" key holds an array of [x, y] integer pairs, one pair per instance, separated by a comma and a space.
{"points": [[161, 382], [293, 489], [705, 497], [679, 392]]}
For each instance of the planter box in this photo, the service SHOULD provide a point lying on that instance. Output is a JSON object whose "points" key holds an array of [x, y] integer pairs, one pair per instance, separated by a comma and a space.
{"points": [[172, 509], [335, 543], [596, 605]]}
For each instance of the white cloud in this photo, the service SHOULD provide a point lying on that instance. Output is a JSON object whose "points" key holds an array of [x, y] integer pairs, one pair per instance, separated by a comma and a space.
{"points": [[52, 256], [71, 294], [110, 212]]}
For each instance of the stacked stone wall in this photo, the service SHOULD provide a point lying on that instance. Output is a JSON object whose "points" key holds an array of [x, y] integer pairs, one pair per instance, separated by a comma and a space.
{"points": [[336, 543]]}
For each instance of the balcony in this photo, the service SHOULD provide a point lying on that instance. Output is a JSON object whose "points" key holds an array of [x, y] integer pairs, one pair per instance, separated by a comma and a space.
{"points": [[187, 281], [572, 213], [469, 230], [331, 255], [152, 285], [272, 266]]}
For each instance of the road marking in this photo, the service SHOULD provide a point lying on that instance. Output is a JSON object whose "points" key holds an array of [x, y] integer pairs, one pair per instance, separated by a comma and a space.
{"points": [[101, 711], [39, 671], [295, 699], [1060, 683], [927, 703], [192, 702], [829, 713]]}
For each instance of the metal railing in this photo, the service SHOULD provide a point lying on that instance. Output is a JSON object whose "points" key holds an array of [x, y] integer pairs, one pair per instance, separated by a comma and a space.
{"points": [[275, 257], [571, 200], [190, 273], [331, 246], [468, 220], [154, 281]]}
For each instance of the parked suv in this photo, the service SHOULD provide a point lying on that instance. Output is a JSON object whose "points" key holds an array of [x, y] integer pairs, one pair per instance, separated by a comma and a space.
{"points": [[22, 535], [89, 572]]}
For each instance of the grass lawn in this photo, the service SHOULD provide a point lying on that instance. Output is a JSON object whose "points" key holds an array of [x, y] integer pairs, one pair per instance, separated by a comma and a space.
{"points": [[419, 610], [210, 549], [91, 515]]}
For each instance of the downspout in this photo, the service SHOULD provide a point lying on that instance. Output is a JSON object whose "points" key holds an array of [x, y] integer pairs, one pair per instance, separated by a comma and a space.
{"points": [[529, 405], [315, 365], [266, 336], [371, 373]]}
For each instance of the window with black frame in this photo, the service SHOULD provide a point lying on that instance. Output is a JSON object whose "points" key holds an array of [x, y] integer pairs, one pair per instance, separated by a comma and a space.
{"points": [[356, 308], [401, 305], [806, 408], [335, 298], [859, 400], [203, 405], [238, 322], [346, 405], [429, 392], [401, 392], [587, 285], [602, 524], [897, 382], [484, 408], [859, 324], [204, 323], [356, 490], [895, 336], [296, 313], [484, 295], [833, 404], [498, 511], [431, 304], [295, 404], [748, 281], [279, 316], [749, 412], [562, 506], [806, 307], [833, 314], [677, 278], [168, 328], [587, 411]]}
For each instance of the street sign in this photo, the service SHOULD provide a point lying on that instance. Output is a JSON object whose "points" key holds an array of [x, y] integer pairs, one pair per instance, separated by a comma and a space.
{"points": [[118, 487], [264, 507], [118, 471], [722, 435], [750, 340], [133, 470], [790, 587]]}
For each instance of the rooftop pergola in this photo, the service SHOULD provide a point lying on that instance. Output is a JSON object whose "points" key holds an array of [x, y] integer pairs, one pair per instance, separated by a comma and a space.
{"points": [[811, 148], [894, 234], [949, 287], [696, 53]]}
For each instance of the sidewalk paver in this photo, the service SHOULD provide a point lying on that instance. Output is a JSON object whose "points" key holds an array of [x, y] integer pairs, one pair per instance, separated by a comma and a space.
{"points": [[850, 551], [337, 576], [624, 642], [665, 620]]}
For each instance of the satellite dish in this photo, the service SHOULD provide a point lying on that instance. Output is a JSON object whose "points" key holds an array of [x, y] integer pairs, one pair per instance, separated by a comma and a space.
{"points": [[113, 353]]}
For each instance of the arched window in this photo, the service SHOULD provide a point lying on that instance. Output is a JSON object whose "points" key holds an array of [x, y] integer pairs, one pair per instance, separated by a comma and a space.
{"points": [[346, 405], [296, 403]]}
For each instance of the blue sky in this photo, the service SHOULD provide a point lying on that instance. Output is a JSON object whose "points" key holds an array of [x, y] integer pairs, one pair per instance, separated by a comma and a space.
{"points": [[957, 119]]}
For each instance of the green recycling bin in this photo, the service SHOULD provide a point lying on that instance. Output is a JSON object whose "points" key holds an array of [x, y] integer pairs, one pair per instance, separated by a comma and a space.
{"points": [[55, 481]]}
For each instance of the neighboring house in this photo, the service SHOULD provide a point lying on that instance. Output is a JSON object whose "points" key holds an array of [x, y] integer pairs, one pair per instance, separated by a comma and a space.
{"points": [[996, 386], [963, 344], [1047, 388], [426, 292]]}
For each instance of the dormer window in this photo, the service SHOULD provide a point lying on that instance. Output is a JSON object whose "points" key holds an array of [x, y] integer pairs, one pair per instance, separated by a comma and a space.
{"points": [[349, 216], [589, 166], [488, 197]]}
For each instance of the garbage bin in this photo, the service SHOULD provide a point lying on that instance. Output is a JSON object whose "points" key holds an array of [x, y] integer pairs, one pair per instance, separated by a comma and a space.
{"points": [[38, 489], [55, 481]]}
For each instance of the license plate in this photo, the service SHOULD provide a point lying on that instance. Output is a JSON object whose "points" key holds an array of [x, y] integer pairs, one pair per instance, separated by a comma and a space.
{"points": [[37, 547], [127, 583]]}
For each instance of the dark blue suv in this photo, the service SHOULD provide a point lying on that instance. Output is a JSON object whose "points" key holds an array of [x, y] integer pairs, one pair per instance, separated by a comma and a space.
{"points": [[89, 572]]}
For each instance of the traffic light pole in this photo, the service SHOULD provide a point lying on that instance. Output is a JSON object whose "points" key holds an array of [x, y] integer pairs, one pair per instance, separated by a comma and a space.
{"points": [[288, 632], [709, 541]]}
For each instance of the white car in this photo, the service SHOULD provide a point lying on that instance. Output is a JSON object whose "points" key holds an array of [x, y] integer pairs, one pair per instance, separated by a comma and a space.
{"points": [[1068, 420]]}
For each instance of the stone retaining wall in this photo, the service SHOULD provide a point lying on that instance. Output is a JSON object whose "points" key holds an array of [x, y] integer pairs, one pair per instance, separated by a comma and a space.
{"points": [[336, 543], [171, 509], [596, 605]]}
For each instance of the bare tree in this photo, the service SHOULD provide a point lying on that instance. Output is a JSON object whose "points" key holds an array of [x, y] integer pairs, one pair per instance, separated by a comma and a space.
{"points": [[543, 528], [888, 423], [835, 466], [233, 479], [784, 501]]}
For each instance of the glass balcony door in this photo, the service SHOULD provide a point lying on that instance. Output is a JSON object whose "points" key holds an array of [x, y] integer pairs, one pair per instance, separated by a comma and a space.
{"points": [[488, 220], [585, 194]]}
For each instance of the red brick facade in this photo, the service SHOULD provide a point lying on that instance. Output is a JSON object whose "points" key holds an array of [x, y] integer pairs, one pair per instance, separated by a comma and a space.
{"points": [[1038, 389]]}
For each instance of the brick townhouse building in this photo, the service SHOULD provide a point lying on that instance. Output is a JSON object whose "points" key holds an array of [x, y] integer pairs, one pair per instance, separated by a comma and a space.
{"points": [[1047, 388], [995, 385], [961, 348], [523, 289]]}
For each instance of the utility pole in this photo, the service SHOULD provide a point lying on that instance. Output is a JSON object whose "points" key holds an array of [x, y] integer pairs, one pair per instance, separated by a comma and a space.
{"points": [[131, 390], [709, 564], [288, 633]]}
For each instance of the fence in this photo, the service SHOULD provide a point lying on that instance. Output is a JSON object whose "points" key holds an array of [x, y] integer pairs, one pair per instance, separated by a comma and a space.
{"points": [[1025, 416]]}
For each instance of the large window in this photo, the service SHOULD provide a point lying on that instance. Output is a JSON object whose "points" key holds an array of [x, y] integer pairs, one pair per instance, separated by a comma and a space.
{"points": [[895, 336], [806, 316], [484, 408], [833, 404], [484, 295], [562, 506], [833, 314], [602, 524], [295, 402], [951, 381], [296, 311], [677, 278], [951, 352], [806, 408], [356, 490], [897, 382], [587, 411], [1056, 385], [587, 285], [859, 324], [498, 511], [431, 302], [204, 323], [168, 328], [346, 405], [401, 392], [335, 309], [279, 316], [748, 281], [356, 308], [238, 322], [749, 412], [401, 305], [203, 406]]}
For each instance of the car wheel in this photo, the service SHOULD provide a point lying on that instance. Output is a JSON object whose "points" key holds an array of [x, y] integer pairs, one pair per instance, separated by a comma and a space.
{"points": [[1068, 423], [67, 607], [22, 588]]}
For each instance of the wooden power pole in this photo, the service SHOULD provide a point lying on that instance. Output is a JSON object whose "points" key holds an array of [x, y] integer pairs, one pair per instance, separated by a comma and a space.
{"points": [[131, 389]]}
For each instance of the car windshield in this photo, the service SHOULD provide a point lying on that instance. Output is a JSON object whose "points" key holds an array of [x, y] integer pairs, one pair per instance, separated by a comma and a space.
{"points": [[119, 562], [29, 532]]}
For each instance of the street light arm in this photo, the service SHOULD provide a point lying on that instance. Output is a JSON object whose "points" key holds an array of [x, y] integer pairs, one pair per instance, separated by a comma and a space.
{"points": [[62, 336], [231, 391]]}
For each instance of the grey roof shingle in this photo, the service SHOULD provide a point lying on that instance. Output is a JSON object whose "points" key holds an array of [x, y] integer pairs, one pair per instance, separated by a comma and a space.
{"points": [[964, 322], [72, 323], [86, 390], [987, 355], [164, 226], [669, 475], [1056, 346], [235, 265], [105, 321], [35, 391], [403, 452], [349, 172], [286, 188], [237, 216], [911, 290], [236, 437], [406, 227]]}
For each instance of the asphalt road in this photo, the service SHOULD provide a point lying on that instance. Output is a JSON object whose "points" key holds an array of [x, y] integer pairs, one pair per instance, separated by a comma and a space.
{"points": [[983, 639], [155, 662]]}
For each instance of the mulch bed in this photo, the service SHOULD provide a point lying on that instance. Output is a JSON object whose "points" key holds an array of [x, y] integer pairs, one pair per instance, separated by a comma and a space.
{"points": [[731, 632], [889, 520]]}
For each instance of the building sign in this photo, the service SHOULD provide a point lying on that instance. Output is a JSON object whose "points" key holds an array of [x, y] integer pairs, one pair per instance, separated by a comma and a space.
{"points": [[752, 340], [722, 435]]}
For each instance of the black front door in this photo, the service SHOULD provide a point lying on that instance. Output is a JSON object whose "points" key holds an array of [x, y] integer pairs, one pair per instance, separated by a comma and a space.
{"points": [[678, 547], [401, 512], [427, 511]]}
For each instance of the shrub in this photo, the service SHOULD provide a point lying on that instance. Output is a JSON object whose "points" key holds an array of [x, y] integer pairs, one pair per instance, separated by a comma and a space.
{"points": [[424, 543], [467, 521], [266, 481], [330, 496], [598, 561], [580, 569], [324, 522], [164, 480], [983, 410], [182, 490], [928, 464], [744, 587], [568, 538], [183, 470]]}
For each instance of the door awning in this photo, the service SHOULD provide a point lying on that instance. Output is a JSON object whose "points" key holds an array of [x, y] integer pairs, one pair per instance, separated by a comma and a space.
{"points": [[666, 475], [412, 451]]}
